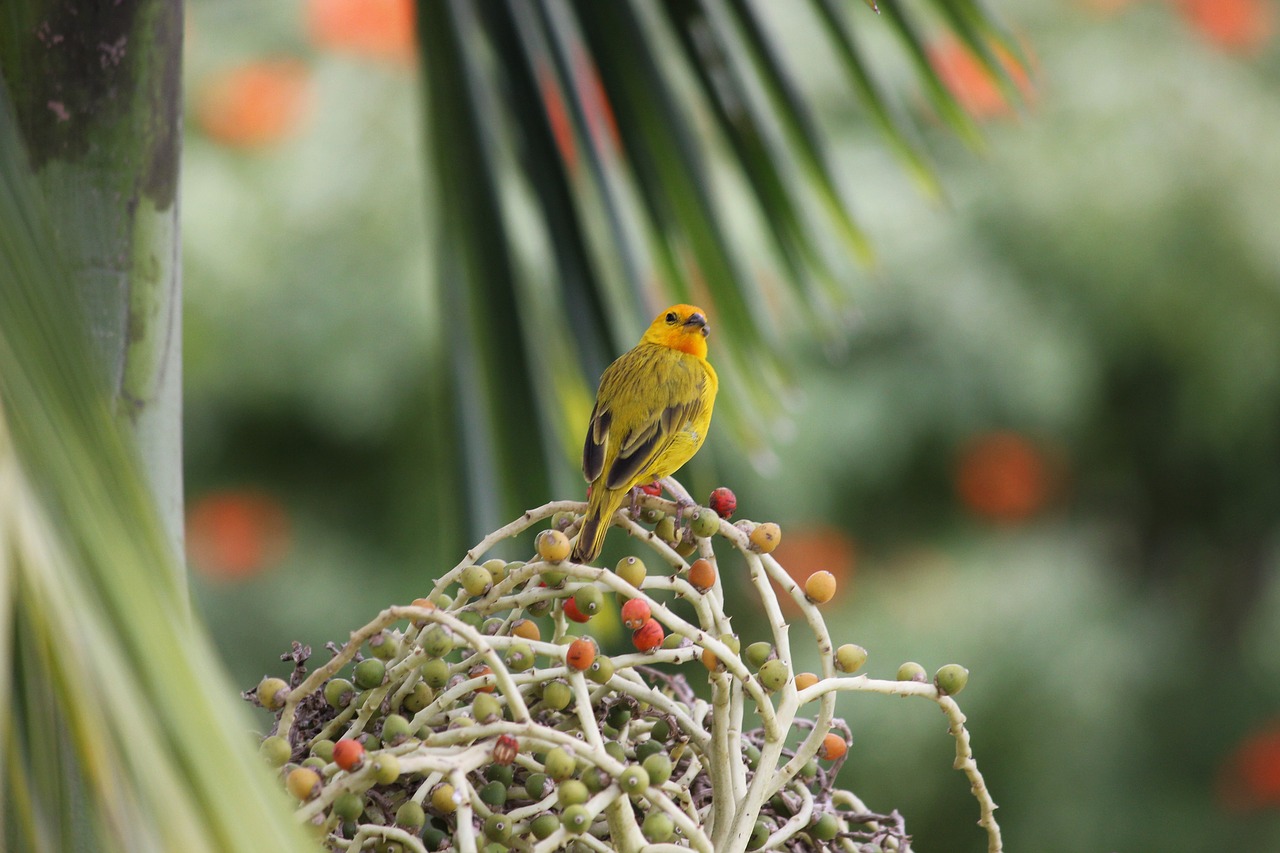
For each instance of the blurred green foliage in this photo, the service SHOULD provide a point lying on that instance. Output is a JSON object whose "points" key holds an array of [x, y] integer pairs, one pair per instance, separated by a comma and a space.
{"points": [[1103, 281]]}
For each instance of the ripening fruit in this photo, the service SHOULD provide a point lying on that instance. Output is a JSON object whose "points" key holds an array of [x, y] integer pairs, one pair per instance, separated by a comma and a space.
{"points": [[476, 580], [580, 654], [635, 613], [704, 522], [805, 679], [765, 537], [386, 768], [571, 610], [559, 764], [526, 629], [951, 679], [557, 695], [833, 747], [410, 816], [369, 673], [303, 783], [634, 780], [702, 575], [348, 754], [850, 657], [480, 670], [519, 657], [272, 692], [912, 671], [275, 750], [443, 799], [553, 546], [543, 825], [632, 570], [572, 792], [498, 569], [757, 653], [772, 674], [601, 670], [648, 636], [575, 819], [723, 502], [339, 692], [820, 587], [658, 827], [589, 599]]}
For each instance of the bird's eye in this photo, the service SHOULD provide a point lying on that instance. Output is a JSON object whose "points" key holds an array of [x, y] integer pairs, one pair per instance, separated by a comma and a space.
{"points": [[671, 317]]}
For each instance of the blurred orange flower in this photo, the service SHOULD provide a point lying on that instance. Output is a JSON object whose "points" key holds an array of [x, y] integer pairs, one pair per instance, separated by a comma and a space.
{"points": [[1003, 476], [236, 534], [377, 29], [1250, 775], [254, 104], [1239, 26]]}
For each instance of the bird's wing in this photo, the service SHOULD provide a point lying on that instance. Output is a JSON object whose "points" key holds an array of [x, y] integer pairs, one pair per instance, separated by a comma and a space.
{"points": [[644, 402]]}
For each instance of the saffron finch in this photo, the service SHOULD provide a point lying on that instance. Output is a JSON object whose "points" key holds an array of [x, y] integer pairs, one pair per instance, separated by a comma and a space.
{"points": [[651, 415]]}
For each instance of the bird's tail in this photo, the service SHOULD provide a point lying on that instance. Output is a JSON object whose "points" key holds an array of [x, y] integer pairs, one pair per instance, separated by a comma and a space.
{"points": [[595, 525]]}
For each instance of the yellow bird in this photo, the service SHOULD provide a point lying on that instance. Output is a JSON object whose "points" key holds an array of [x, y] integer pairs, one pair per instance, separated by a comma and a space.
{"points": [[651, 415]]}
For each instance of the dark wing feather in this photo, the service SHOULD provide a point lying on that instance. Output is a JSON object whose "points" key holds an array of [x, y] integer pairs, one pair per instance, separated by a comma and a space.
{"points": [[593, 447], [643, 446]]}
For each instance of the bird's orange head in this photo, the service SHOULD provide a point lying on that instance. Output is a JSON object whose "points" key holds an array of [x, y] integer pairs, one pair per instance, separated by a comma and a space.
{"points": [[681, 327]]}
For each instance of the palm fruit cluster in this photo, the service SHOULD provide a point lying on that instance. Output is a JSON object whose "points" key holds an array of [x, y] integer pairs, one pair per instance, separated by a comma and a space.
{"points": [[493, 714]]}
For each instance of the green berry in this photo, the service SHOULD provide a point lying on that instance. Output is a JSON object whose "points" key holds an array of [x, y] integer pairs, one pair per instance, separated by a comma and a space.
{"points": [[951, 679], [486, 708], [536, 786], [559, 764], [912, 671], [384, 645], [759, 835], [419, 698], [476, 580], [576, 819], [410, 816], [666, 530], [503, 773], [618, 716], [634, 780], [658, 827], [369, 673], [315, 762], [323, 749], [631, 570], [395, 730], [658, 766], [349, 806], [757, 653], [773, 674], [471, 618], [557, 694], [595, 779], [752, 753], [275, 750], [543, 825], [553, 578], [704, 522], [339, 692], [661, 730], [435, 673], [519, 657], [651, 514], [540, 607], [589, 599], [272, 692], [437, 641], [825, 827], [601, 670], [433, 837], [850, 657], [386, 768], [494, 793], [572, 792], [497, 827], [616, 751], [648, 748], [497, 569]]}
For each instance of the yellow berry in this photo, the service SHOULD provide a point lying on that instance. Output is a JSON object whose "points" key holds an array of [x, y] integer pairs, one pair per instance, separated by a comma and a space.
{"points": [[820, 587], [552, 545], [765, 537]]}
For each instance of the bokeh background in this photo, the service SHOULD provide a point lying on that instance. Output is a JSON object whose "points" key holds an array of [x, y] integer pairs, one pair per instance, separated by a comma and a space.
{"points": [[1050, 450]]}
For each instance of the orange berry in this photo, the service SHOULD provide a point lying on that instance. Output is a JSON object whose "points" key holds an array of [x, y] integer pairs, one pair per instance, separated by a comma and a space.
{"points": [[820, 587], [805, 679], [765, 537], [580, 654], [648, 636], [478, 671], [526, 629], [702, 575], [348, 754], [635, 612], [833, 747], [303, 783], [571, 610]]}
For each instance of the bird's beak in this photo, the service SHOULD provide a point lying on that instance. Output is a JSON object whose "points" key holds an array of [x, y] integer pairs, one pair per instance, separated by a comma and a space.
{"points": [[700, 322]]}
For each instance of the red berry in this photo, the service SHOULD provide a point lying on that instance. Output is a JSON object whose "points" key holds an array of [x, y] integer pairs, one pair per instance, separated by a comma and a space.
{"points": [[635, 612], [571, 610], [654, 488], [348, 754], [723, 501], [648, 636], [505, 749], [581, 654]]}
